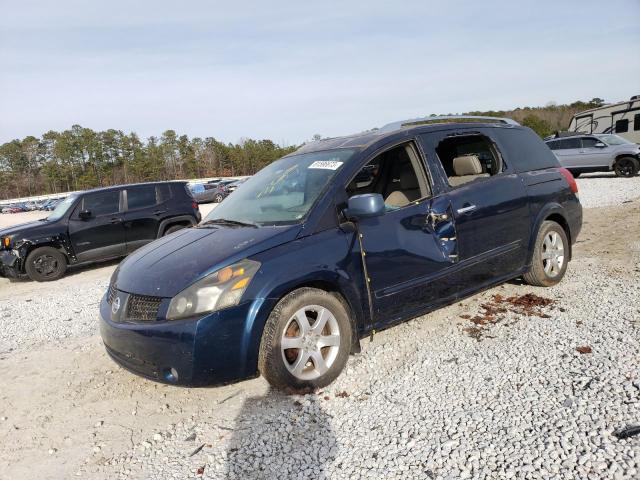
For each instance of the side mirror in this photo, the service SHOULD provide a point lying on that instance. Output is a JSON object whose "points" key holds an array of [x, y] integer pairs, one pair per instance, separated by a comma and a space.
{"points": [[84, 215], [600, 145], [365, 206]]}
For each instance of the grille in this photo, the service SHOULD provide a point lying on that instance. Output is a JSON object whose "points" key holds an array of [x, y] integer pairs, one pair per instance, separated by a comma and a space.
{"points": [[143, 308], [112, 293]]}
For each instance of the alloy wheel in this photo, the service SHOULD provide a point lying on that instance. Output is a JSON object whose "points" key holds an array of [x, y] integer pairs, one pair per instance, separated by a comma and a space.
{"points": [[552, 254], [310, 342]]}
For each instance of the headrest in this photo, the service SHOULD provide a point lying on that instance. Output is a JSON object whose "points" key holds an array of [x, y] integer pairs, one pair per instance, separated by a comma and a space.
{"points": [[408, 179], [467, 165]]}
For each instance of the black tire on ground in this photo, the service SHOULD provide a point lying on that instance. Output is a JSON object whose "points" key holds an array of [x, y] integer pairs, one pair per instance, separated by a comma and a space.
{"points": [[218, 198], [542, 273], [45, 264], [626, 167], [271, 360], [173, 228]]}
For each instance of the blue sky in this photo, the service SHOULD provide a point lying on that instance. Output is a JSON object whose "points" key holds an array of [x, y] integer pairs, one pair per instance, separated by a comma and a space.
{"points": [[288, 70]]}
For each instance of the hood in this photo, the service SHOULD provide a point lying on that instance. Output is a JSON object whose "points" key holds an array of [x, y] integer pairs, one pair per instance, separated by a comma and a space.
{"points": [[167, 266], [26, 229]]}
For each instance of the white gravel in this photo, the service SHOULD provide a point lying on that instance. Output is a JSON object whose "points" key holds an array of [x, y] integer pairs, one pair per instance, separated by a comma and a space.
{"points": [[605, 189]]}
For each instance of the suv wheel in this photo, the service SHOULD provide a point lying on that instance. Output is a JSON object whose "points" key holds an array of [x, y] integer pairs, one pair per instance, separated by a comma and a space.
{"points": [[550, 256], [173, 228], [626, 167], [306, 341], [45, 264], [218, 198]]}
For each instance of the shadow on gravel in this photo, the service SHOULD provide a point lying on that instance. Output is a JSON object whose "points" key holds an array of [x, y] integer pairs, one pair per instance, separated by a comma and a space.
{"points": [[277, 436]]}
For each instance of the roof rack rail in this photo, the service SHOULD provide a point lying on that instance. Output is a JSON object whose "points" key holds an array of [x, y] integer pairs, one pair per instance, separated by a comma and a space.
{"points": [[445, 119]]}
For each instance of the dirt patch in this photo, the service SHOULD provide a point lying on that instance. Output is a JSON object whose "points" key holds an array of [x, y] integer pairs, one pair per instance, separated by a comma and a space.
{"points": [[496, 310]]}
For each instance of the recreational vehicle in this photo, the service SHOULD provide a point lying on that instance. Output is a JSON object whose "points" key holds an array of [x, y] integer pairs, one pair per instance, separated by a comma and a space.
{"points": [[622, 118]]}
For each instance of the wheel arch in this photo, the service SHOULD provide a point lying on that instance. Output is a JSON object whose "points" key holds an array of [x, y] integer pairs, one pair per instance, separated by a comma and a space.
{"points": [[555, 213], [186, 220]]}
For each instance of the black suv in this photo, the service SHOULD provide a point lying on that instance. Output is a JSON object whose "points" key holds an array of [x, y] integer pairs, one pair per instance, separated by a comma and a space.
{"points": [[96, 225]]}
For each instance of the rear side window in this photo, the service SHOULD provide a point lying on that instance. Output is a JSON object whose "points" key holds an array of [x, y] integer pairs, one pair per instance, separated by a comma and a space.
{"points": [[140, 197], [102, 203], [622, 125], [524, 150], [162, 193], [636, 121], [553, 145]]}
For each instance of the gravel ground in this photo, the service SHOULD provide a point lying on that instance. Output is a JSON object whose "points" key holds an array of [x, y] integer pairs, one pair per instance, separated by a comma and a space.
{"points": [[605, 189], [438, 397]]}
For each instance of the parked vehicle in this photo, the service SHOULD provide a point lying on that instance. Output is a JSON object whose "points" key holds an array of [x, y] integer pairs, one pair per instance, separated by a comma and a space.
{"points": [[596, 153], [622, 118], [370, 231], [96, 225], [214, 191]]}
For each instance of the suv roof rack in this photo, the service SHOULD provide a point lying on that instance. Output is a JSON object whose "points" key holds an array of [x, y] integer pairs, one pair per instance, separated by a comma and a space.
{"points": [[412, 122]]}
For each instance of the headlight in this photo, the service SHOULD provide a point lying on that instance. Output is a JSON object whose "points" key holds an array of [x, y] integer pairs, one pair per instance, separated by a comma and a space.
{"points": [[216, 291]]}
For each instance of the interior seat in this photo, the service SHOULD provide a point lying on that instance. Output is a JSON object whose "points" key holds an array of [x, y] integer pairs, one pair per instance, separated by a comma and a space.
{"points": [[409, 189], [467, 168]]}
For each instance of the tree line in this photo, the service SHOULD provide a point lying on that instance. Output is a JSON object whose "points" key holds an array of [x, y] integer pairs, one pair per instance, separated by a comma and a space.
{"points": [[81, 158]]}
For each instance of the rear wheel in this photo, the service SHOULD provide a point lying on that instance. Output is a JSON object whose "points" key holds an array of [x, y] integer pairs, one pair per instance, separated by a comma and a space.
{"points": [[45, 264], [550, 256], [626, 167], [306, 341]]}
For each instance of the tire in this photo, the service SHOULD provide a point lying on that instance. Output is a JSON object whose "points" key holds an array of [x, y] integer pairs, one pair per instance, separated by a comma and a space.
{"points": [[575, 174], [45, 264], [218, 198], [173, 228], [626, 167], [315, 359], [550, 256]]}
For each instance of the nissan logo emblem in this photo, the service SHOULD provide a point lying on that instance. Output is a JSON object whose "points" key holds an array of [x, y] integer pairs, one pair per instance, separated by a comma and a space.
{"points": [[116, 305]]}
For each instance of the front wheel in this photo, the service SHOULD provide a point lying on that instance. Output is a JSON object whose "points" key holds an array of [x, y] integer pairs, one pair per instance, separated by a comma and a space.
{"points": [[306, 341], [218, 198], [45, 264], [626, 167], [550, 256]]}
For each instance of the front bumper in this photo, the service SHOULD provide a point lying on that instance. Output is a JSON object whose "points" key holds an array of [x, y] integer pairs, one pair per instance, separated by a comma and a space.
{"points": [[205, 351], [9, 264]]}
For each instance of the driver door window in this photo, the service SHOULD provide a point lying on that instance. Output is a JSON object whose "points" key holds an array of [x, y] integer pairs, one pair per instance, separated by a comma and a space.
{"points": [[102, 203], [397, 175]]}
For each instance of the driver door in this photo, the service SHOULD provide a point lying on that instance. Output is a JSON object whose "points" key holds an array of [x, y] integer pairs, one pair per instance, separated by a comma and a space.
{"points": [[407, 251], [101, 235]]}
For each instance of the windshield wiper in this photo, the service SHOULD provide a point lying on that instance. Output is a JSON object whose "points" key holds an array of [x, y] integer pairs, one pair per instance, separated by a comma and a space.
{"points": [[226, 221]]}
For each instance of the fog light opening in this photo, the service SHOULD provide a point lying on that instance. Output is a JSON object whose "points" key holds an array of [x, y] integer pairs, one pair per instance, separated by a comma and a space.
{"points": [[171, 375]]}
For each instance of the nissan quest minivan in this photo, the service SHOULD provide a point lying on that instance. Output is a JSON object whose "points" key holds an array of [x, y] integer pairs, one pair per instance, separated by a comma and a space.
{"points": [[340, 238]]}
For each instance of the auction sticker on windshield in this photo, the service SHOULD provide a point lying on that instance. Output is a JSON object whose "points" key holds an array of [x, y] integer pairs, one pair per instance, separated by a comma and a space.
{"points": [[326, 164]]}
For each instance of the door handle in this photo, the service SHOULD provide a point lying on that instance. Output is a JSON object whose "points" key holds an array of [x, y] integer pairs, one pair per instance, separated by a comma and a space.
{"points": [[158, 212], [466, 209], [116, 220]]}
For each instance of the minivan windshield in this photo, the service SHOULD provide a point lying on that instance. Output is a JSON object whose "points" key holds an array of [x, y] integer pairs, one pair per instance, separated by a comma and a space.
{"points": [[614, 140], [62, 208], [283, 192]]}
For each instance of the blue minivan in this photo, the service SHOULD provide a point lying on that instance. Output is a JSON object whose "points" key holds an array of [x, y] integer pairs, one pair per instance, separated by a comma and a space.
{"points": [[340, 238]]}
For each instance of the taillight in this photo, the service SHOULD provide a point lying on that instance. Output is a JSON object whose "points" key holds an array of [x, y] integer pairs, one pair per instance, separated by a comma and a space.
{"points": [[195, 205], [570, 180]]}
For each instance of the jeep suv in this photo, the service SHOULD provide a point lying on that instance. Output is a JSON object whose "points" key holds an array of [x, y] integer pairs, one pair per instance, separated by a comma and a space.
{"points": [[581, 153], [341, 238], [96, 225]]}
